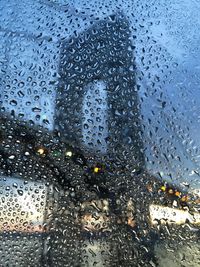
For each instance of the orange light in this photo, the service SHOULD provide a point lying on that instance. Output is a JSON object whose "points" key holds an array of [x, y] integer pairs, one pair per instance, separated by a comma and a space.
{"points": [[177, 193], [185, 198], [131, 222]]}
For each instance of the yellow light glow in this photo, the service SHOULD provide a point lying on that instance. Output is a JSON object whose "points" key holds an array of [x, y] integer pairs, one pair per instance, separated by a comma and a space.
{"points": [[96, 169], [185, 198], [163, 188], [68, 154], [171, 191], [41, 151]]}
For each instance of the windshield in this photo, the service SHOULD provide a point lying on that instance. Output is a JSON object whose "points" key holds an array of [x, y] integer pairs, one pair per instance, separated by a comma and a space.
{"points": [[99, 122]]}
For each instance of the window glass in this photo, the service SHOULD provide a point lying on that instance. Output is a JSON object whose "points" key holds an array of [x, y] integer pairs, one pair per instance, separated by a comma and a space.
{"points": [[99, 133]]}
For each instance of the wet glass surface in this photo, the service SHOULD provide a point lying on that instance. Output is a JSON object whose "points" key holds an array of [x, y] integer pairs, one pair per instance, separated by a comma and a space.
{"points": [[99, 133]]}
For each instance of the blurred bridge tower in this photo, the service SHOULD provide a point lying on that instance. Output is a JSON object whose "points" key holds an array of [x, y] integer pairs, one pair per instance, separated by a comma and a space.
{"points": [[97, 101]]}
